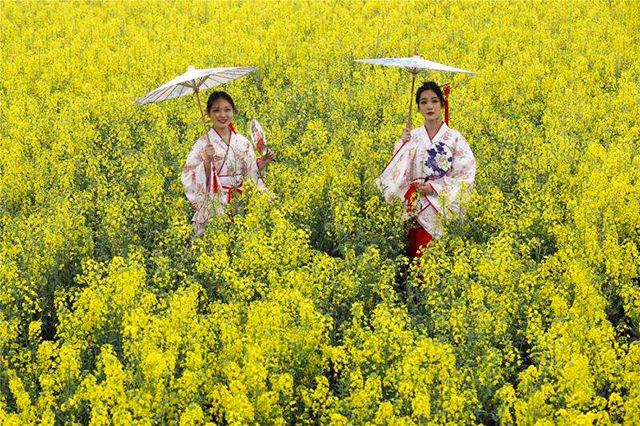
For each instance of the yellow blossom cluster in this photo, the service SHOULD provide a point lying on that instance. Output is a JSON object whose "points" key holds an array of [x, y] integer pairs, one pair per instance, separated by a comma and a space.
{"points": [[304, 309]]}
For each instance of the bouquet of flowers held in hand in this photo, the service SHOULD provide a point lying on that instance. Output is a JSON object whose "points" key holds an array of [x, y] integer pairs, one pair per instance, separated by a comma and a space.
{"points": [[438, 161]]}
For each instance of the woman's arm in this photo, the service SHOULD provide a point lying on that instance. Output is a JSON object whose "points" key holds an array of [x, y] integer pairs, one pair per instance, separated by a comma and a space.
{"points": [[396, 179], [250, 166], [196, 175]]}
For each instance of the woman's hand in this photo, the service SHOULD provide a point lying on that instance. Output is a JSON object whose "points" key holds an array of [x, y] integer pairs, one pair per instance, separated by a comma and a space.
{"points": [[406, 135], [425, 189], [209, 152], [266, 159]]}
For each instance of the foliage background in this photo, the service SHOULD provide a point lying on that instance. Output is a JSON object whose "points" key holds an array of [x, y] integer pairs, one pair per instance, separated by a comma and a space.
{"points": [[304, 310]]}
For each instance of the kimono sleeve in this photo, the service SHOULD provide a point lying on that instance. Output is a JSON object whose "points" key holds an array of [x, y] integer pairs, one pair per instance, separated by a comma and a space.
{"points": [[250, 167], [194, 176], [395, 180], [455, 187]]}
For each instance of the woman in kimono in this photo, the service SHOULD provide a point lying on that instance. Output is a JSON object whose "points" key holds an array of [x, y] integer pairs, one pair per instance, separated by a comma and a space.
{"points": [[432, 171], [218, 164]]}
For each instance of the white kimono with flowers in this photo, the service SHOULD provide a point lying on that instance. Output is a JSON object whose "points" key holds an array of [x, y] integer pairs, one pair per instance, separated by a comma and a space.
{"points": [[410, 165], [209, 191]]}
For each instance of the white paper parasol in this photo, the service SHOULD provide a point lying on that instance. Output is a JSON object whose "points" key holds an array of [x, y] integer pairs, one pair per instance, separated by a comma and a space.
{"points": [[414, 65], [194, 81]]}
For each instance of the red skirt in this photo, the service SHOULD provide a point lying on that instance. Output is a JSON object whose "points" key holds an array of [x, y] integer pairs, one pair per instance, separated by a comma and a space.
{"points": [[418, 239]]}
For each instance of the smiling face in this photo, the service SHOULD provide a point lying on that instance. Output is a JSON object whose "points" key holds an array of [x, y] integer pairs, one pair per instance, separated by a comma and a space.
{"points": [[430, 106], [221, 113]]}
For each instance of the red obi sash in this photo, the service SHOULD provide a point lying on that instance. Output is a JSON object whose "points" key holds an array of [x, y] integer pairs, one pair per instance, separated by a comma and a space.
{"points": [[230, 190]]}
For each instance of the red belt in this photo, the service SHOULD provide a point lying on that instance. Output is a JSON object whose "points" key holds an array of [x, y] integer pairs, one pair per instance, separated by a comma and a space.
{"points": [[230, 190]]}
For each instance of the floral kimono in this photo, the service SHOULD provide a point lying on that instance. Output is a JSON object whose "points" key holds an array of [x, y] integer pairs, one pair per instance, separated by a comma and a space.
{"points": [[446, 162], [209, 191]]}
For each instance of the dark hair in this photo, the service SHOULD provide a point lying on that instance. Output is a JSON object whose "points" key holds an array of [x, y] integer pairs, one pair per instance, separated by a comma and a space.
{"points": [[430, 85], [217, 95]]}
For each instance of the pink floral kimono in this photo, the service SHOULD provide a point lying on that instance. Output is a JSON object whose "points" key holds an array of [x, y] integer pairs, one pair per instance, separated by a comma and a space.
{"points": [[446, 162], [209, 191]]}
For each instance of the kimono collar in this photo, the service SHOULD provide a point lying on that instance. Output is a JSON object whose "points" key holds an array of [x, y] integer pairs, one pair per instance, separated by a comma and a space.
{"points": [[216, 136], [441, 132]]}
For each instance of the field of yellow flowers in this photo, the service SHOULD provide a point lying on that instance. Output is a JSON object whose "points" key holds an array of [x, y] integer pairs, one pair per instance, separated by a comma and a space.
{"points": [[304, 310]]}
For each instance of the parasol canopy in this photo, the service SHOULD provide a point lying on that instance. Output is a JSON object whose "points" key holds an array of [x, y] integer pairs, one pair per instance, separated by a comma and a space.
{"points": [[415, 65], [194, 81]]}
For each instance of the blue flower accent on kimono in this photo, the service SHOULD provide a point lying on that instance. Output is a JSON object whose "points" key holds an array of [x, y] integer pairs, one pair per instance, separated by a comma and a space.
{"points": [[438, 162]]}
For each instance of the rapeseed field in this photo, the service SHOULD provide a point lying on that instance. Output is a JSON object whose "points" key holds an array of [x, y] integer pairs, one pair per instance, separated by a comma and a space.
{"points": [[304, 309]]}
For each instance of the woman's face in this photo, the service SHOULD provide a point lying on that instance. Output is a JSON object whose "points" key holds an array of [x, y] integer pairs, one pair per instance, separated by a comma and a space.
{"points": [[221, 113], [429, 106]]}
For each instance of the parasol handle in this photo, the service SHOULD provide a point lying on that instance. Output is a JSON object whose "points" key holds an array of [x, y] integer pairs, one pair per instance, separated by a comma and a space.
{"points": [[447, 91], [206, 133], [413, 85], [204, 122]]}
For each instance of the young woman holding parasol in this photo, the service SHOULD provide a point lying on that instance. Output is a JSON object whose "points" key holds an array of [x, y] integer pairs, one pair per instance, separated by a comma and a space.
{"points": [[219, 163], [221, 159], [432, 168], [432, 171]]}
